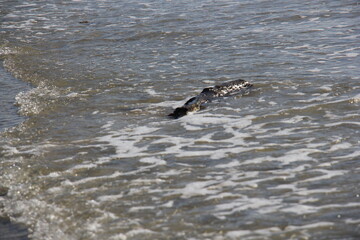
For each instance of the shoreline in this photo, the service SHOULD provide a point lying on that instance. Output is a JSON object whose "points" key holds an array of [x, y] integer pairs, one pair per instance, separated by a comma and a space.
{"points": [[9, 118]]}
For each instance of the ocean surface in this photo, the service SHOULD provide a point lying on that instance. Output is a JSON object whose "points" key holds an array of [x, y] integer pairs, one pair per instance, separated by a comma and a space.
{"points": [[87, 151]]}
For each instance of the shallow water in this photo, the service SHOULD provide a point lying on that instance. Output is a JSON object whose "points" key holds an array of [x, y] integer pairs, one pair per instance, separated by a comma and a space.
{"points": [[90, 153]]}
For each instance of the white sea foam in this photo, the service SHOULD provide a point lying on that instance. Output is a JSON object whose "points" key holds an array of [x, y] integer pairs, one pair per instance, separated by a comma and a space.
{"points": [[139, 231], [262, 205], [316, 70], [339, 146], [266, 232], [151, 91], [110, 198], [297, 155], [197, 189], [88, 179], [352, 54], [141, 208], [153, 160], [326, 174]]}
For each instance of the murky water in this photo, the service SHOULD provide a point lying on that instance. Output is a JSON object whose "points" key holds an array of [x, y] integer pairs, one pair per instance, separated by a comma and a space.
{"points": [[88, 153]]}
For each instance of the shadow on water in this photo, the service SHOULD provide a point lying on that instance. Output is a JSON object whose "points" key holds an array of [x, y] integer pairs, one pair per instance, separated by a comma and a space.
{"points": [[11, 231]]}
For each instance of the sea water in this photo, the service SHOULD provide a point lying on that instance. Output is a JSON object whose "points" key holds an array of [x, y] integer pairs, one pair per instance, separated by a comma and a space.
{"points": [[87, 150]]}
